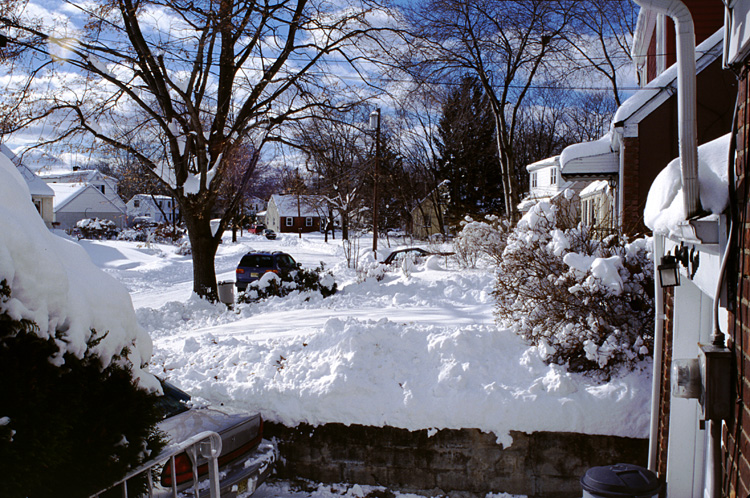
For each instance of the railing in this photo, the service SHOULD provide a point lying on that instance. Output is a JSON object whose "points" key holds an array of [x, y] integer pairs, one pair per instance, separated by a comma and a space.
{"points": [[206, 444]]}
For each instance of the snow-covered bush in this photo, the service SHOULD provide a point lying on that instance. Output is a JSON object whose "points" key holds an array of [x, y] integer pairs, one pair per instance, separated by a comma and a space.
{"points": [[94, 228], [586, 303], [83, 419], [283, 283], [481, 239]]}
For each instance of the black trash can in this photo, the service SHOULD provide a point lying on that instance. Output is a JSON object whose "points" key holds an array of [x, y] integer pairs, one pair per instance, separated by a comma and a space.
{"points": [[622, 480]]}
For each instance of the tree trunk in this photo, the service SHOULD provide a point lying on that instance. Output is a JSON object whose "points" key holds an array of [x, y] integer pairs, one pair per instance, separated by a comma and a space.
{"points": [[204, 246]]}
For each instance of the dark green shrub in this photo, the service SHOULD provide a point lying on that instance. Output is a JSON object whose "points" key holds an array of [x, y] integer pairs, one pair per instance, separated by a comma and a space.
{"points": [[317, 280], [70, 430]]}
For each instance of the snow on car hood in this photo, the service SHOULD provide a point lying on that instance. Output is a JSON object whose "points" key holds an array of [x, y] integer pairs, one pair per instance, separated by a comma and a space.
{"points": [[187, 424]]}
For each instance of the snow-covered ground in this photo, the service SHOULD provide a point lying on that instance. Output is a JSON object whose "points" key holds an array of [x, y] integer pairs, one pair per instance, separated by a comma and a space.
{"points": [[416, 350]]}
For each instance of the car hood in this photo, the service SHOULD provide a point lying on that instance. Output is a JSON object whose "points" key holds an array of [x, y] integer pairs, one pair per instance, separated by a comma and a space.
{"points": [[187, 424]]}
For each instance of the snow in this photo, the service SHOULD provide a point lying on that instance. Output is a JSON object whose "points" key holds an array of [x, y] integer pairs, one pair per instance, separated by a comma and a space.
{"points": [[601, 146], [664, 206], [297, 205], [55, 284], [418, 349]]}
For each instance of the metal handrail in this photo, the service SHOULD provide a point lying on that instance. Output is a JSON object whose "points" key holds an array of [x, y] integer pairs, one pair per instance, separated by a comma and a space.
{"points": [[207, 444]]}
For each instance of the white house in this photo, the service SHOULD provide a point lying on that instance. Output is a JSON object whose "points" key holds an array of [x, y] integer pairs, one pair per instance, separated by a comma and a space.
{"points": [[77, 201], [158, 208], [546, 183], [41, 194]]}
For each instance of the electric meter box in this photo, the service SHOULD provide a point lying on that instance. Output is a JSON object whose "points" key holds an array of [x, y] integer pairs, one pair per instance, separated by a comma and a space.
{"points": [[716, 376]]}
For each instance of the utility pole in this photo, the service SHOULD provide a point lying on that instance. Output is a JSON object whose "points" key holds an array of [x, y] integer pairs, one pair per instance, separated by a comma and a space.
{"points": [[375, 123]]}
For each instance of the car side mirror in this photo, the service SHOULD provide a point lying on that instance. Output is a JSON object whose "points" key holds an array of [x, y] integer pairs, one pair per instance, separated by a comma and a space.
{"points": [[299, 265]]}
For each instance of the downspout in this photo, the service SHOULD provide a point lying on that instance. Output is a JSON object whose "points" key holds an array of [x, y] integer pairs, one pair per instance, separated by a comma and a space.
{"points": [[686, 101], [653, 445]]}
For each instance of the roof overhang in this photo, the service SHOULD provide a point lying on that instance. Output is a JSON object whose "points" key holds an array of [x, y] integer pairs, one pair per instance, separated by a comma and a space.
{"points": [[590, 161]]}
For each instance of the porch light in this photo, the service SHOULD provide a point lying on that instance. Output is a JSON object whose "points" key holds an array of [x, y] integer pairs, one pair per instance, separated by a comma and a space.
{"points": [[669, 271]]}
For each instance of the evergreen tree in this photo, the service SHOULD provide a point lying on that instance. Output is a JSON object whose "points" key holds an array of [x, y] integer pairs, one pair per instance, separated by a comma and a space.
{"points": [[468, 155]]}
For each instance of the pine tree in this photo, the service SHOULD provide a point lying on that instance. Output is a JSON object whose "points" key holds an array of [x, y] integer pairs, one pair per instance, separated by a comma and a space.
{"points": [[468, 156]]}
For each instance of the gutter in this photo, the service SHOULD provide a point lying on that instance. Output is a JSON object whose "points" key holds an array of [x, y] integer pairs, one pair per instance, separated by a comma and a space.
{"points": [[658, 349], [686, 98]]}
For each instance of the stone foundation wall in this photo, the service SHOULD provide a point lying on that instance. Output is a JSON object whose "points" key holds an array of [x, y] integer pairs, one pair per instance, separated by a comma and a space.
{"points": [[459, 463]]}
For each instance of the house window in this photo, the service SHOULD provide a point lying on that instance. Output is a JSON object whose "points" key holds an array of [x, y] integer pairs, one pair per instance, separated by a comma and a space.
{"points": [[289, 221], [428, 221], [136, 203], [308, 222], [103, 192], [533, 180], [553, 176], [38, 205]]}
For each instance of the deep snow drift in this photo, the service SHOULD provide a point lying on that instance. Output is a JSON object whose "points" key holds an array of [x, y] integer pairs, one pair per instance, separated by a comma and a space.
{"points": [[417, 350]]}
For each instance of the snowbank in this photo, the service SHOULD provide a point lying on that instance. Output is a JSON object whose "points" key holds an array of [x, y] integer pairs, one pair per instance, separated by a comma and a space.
{"points": [[55, 284], [664, 205]]}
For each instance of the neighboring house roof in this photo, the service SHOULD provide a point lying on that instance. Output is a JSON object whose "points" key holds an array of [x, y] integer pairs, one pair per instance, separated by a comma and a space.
{"points": [[595, 188], [599, 159], [149, 197], [590, 159], [66, 192], [544, 163], [83, 176], [297, 205], [37, 187], [662, 87]]}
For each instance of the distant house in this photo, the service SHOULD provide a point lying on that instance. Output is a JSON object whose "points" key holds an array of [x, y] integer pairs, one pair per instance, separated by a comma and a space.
{"points": [[429, 215], [254, 205], [78, 201], [294, 213], [596, 206], [157, 208], [546, 182], [41, 194], [105, 183]]}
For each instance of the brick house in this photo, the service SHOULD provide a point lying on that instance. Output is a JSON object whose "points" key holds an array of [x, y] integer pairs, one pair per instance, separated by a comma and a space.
{"points": [[643, 136], [294, 213], [700, 441]]}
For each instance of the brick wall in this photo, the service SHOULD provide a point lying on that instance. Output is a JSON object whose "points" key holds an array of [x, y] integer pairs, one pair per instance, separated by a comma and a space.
{"points": [[665, 392], [632, 209], [736, 432], [464, 462]]}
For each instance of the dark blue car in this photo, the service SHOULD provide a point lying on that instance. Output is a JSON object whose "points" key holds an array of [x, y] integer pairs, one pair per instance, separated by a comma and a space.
{"points": [[254, 264]]}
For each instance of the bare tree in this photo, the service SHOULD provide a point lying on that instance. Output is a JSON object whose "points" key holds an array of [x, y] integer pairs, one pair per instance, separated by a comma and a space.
{"points": [[600, 40], [336, 157], [192, 80], [506, 44]]}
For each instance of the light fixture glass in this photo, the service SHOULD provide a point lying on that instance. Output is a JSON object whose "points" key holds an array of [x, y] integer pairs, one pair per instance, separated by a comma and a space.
{"points": [[669, 271]]}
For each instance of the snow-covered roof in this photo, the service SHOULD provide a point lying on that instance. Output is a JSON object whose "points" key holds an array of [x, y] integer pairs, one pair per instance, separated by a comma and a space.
{"points": [[83, 175], [65, 192], [665, 85], [590, 159], [664, 205], [544, 163], [595, 187], [297, 205], [36, 185]]}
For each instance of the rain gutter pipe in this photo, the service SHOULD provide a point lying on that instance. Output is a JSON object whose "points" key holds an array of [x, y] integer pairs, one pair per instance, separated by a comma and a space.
{"points": [[688, 146], [686, 101]]}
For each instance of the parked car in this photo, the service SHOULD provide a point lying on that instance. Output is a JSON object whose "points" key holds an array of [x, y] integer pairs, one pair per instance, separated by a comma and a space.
{"points": [[270, 234], [414, 252], [257, 229], [253, 265], [245, 459]]}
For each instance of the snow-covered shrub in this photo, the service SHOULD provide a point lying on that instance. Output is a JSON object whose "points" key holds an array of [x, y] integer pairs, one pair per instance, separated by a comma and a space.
{"points": [[586, 303], [370, 269], [94, 228], [82, 423], [283, 283], [478, 239]]}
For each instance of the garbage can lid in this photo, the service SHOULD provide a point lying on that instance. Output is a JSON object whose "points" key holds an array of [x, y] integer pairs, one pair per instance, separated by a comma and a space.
{"points": [[621, 480]]}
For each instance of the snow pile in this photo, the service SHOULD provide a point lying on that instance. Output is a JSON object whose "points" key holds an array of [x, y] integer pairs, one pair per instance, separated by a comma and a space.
{"points": [[55, 284], [664, 206]]}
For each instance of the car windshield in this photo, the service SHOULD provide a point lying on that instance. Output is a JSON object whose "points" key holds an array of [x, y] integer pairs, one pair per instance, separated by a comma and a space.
{"points": [[257, 261], [286, 261], [174, 400]]}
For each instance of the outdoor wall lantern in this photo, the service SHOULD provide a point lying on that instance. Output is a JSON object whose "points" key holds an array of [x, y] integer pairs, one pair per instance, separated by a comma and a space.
{"points": [[669, 271]]}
